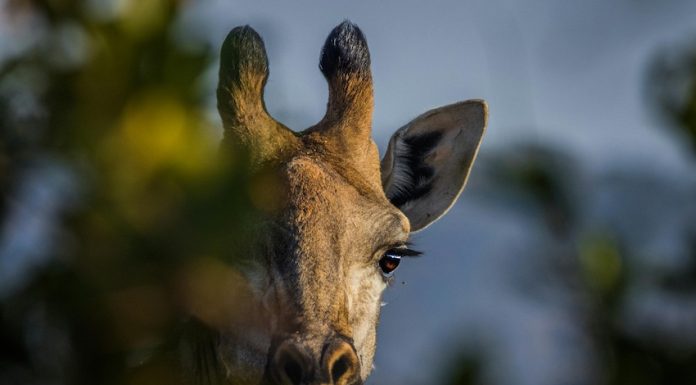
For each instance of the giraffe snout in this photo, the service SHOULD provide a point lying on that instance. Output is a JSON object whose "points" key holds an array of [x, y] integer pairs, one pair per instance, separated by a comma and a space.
{"points": [[333, 362]]}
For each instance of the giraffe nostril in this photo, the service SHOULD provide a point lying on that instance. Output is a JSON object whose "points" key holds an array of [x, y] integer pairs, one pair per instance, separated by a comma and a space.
{"points": [[339, 369], [290, 364], [341, 363], [293, 371]]}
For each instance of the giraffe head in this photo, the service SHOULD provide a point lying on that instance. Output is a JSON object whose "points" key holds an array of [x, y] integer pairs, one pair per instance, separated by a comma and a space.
{"points": [[330, 246]]}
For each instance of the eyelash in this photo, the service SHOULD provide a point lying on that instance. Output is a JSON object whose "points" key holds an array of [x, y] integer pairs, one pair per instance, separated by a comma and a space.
{"points": [[391, 259]]}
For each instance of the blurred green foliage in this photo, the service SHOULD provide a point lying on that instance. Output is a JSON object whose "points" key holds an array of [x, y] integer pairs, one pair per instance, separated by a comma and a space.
{"points": [[671, 86], [463, 371], [157, 213]]}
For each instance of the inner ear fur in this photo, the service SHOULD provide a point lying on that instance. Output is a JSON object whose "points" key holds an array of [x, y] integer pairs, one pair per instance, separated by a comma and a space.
{"points": [[429, 159]]}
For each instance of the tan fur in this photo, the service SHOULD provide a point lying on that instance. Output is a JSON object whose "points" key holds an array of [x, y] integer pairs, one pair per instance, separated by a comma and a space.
{"points": [[313, 284]]}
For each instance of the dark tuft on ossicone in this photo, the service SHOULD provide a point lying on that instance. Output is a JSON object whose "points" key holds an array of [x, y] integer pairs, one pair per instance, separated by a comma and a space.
{"points": [[243, 52], [345, 51]]}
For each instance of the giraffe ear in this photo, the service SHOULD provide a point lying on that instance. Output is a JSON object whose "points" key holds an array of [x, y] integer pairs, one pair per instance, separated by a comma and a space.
{"points": [[428, 160]]}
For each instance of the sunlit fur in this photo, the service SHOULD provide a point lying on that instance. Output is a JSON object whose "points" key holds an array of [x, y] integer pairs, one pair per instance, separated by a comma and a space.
{"points": [[311, 263]]}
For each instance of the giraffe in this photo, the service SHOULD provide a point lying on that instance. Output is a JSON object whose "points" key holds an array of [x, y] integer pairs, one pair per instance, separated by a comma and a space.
{"points": [[344, 218]]}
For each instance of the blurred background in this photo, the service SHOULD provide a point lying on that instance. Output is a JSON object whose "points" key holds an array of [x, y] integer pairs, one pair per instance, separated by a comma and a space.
{"points": [[569, 259]]}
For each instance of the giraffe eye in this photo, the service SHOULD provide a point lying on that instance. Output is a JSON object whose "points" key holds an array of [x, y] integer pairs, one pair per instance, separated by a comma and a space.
{"points": [[389, 262]]}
